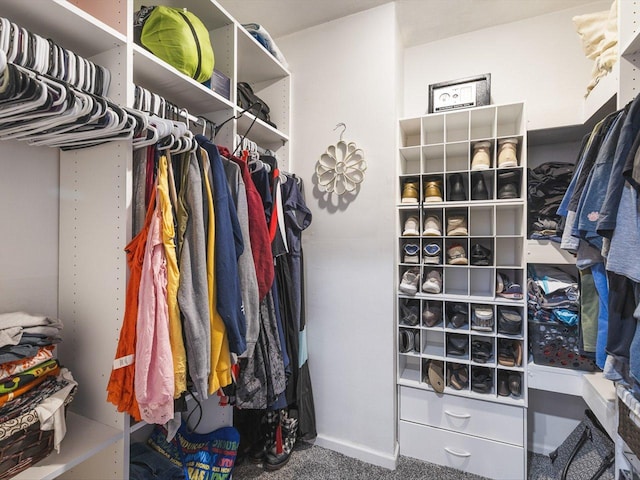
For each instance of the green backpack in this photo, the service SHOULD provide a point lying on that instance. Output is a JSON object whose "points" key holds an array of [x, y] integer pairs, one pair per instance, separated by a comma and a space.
{"points": [[179, 38]]}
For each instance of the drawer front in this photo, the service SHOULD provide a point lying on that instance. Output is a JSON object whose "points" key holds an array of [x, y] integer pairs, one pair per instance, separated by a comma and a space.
{"points": [[469, 454], [503, 423]]}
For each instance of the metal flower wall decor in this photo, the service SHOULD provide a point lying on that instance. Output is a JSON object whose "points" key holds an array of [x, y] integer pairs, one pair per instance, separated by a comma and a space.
{"points": [[341, 168]]}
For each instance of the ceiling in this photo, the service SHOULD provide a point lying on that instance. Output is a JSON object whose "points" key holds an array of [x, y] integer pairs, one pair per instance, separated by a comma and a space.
{"points": [[421, 21]]}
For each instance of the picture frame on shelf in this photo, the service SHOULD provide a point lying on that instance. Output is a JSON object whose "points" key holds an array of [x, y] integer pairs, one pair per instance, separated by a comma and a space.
{"points": [[466, 92]]}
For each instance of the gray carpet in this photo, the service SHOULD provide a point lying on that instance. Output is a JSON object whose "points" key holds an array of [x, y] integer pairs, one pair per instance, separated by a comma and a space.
{"points": [[317, 463]]}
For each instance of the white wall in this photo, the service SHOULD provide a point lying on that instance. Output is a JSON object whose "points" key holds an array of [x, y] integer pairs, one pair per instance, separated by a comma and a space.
{"points": [[344, 71], [539, 60]]}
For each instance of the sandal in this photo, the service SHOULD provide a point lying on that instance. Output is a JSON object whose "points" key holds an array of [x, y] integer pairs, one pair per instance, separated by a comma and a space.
{"points": [[481, 380], [481, 350], [459, 377], [436, 375]]}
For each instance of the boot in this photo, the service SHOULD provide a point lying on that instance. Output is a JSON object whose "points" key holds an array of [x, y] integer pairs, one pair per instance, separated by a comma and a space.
{"points": [[286, 433], [270, 423]]}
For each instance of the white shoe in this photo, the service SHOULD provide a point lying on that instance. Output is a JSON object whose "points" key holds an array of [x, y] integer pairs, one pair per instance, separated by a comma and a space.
{"points": [[432, 226], [433, 283], [410, 280], [411, 227]]}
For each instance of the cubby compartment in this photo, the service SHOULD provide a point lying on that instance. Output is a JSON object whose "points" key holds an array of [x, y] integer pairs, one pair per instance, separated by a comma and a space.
{"points": [[457, 375], [510, 321], [410, 160], [409, 313], [456, 280], [510, 353], [482, 186], [410, 251], [433, 188], [481, 221], [433, 159], [483, 123], [483, 380], [457, 187], [457, 156], [510, 120], [432, 251], [457, 345], [511, 275], [410, 221], [482, 252], [457, 127], [409, 367], [509, 184], [481, 283], [409, 189], [509, 220], [431, 280], [456, 252], [510, 384], [457, 316], [410, 132], [509, 252], [482, 154], [483, 350], [433, 221], [432, 314], [513, 142], [433, 345], [483, 319], [433, 129], [409, 283], [409, 341], [456, 222]]}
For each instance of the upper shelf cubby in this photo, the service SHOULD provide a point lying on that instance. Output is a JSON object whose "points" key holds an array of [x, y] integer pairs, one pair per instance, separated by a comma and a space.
{"points": [[255, 63], [212, 15], [68, 25]]}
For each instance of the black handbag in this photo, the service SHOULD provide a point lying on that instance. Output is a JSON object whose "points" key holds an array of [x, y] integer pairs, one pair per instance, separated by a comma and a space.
{"points": [[247, 100]]}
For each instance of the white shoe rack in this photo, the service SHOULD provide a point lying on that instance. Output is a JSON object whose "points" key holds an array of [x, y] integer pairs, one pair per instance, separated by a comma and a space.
{"points": [[437, 146]]}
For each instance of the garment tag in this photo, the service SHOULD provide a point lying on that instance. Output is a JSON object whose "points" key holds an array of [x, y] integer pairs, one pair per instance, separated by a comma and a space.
{"points": [[123, 361]]}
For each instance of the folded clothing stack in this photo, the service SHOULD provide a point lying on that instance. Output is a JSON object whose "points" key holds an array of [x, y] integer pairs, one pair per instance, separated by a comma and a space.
{"points": [[34, 390], [553, 295], [547, 185], [258, 32]]}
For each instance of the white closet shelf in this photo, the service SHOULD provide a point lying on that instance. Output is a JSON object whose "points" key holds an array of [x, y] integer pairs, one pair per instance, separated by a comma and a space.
{"points": [[493, 398], [84, 439], [70, 26], [546, 251], [262, 133], [555, 379], [255, 63], [600, 395], [632, 47], [601, 95], [158, 76]]}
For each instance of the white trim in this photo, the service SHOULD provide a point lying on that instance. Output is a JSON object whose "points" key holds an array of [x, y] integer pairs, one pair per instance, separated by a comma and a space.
{"points": [[361, 452]]}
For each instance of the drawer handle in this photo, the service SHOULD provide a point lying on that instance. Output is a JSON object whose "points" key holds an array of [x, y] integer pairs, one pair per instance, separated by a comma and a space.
{"points": [[457, 415], [457, 454]]}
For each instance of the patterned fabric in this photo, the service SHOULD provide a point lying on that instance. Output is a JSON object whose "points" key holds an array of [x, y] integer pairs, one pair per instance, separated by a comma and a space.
{"points": [[32, 398], [22, 379], [18, 366], [25, 387]]}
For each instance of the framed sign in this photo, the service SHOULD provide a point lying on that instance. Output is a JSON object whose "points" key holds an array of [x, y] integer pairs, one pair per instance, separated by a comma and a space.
{"points": [[462, 93]]}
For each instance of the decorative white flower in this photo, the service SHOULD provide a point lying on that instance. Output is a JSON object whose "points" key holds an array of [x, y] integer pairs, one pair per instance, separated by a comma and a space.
{"points": [[341, 168]]}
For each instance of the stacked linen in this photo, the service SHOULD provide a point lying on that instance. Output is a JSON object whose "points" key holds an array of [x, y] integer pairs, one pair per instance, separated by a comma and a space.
{"points": [[34, 388]]}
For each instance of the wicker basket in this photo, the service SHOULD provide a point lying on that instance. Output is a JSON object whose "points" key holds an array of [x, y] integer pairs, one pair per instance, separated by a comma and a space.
{"points": [[627, 428], [22, 443]]}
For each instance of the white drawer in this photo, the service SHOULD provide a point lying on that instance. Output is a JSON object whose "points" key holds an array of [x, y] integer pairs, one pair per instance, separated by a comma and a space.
{"points": [[469, 454], [503, 423]]}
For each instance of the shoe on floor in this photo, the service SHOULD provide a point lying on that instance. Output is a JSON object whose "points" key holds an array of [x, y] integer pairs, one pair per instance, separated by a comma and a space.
{"points": [[433, 282], [482, 318], [456, 255], [456, 192], [411, 227], [432, 192], [410, 281], [410, 192], [432, 226], [457, 225], [411, 253], [507, 155], [432, 254]]}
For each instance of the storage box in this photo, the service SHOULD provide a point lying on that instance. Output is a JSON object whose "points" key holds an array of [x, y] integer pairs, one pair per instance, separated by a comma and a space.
{"points": [[557, 345], [221, 84]]}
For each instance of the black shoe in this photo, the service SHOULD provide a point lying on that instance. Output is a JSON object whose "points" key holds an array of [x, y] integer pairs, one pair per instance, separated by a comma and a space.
{"points": [[457, 345], [458, 314], [508, 185], [515, 384], [481, 350], [509, 321], [480, 256], [481, 380], [456, 188], [479, 190], [503, 384]]}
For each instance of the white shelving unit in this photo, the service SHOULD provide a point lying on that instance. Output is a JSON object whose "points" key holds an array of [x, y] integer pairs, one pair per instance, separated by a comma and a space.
{"points": [[70, 211], [435, 147]]}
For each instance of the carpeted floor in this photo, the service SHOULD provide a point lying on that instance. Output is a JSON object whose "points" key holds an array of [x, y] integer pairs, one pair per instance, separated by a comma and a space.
{"points": [[317, 463]]}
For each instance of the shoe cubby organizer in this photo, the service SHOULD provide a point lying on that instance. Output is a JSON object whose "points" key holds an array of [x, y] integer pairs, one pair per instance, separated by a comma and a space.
{"points": [[459, 240]]}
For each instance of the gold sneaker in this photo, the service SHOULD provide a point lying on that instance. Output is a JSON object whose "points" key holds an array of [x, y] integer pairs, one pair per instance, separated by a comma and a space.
{"points": [[433, 192], [410, 192]]}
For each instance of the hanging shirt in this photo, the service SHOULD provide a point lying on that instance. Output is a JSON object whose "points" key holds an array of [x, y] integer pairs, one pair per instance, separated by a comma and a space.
{"points": [[178, 353], [228, 248], [193, 295], [220, 372], [154, 381]]}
